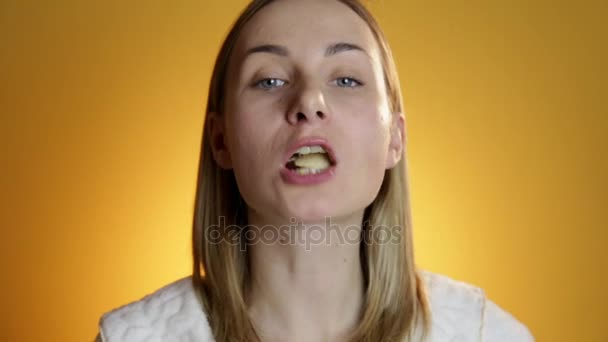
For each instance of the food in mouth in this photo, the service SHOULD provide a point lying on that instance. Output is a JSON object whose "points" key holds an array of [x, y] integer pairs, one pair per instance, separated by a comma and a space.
{"points": [[309, 160]]}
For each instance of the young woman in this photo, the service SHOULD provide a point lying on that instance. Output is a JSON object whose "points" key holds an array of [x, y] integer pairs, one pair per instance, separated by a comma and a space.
{"points": [[302, 227]]}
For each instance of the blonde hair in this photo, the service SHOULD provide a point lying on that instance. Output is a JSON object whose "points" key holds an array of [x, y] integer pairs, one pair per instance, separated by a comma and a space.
{"points": [[395, 302]]}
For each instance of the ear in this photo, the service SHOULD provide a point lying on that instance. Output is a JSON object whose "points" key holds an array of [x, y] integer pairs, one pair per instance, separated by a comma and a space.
{"points": [[217, 139], [397, 140]]}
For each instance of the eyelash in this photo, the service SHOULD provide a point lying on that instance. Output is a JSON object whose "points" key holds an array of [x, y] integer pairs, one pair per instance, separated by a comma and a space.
{"points": [[352, 79], [258, 84]]}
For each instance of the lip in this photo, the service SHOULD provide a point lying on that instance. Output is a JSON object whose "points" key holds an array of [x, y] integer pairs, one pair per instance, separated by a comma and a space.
{"points": [[292, 177], [310, 141]]}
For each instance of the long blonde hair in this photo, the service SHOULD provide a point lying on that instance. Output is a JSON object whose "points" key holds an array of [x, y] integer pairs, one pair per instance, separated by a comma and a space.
{"points": [[395, 302]]}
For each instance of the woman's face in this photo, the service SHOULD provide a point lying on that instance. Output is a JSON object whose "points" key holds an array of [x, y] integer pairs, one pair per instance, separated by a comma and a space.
{"points": [[307, 73]]}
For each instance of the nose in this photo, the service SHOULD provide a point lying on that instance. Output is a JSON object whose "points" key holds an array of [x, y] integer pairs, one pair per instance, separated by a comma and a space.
{"points": [[308, 107]]}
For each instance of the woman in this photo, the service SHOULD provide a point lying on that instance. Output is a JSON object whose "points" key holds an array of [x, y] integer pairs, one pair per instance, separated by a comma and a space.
{"points": [[303, 150]]}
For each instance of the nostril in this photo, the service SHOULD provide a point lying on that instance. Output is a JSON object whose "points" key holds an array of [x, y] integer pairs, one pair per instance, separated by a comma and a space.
{"points": [[320, 114], [301, 116]]}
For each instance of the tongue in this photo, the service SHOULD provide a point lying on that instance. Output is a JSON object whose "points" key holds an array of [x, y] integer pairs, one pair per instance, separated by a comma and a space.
{"points": [[312, 161]]}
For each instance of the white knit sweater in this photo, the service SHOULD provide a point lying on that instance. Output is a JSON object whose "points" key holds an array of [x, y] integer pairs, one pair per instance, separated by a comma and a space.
{"points": [[460, 313]]}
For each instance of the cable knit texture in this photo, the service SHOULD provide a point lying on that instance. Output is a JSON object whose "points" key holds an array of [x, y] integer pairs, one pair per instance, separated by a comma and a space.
{"points": [[460, 313]]}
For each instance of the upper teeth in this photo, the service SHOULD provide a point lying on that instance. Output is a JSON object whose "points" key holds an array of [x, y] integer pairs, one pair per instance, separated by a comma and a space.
{"points": [[311, 149]]}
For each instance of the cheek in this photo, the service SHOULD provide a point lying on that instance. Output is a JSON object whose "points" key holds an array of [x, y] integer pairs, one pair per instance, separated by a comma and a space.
{"points": [[376, 149], [244, 143], [371, 140], [253, 149], [372, 123]]}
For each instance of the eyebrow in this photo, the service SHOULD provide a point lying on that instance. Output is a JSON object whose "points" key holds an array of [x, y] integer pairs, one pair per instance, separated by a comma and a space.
{"points": [[282, 50]]}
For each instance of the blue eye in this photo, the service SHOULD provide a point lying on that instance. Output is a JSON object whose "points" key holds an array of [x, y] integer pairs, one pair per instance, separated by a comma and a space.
{"points": [[348, 82], [269, 83]]}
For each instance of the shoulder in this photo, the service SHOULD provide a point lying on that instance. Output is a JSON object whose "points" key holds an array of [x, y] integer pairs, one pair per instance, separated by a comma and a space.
{"points": [[499, 325], [462, 312], [171, 313]]}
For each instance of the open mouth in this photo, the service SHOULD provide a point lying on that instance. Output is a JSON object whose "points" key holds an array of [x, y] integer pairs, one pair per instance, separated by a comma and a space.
{"points": [[311, 159]]}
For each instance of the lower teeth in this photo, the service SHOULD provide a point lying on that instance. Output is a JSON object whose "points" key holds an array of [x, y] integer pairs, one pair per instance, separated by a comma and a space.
{"points": [[306, 171]]}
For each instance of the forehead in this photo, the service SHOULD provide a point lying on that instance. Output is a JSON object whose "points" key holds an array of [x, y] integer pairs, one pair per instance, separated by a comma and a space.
{"points": [[305, 27]]}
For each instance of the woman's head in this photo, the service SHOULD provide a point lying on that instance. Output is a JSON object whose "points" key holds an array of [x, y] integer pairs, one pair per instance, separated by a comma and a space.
{"points": [[291, 70], [289, 79]]}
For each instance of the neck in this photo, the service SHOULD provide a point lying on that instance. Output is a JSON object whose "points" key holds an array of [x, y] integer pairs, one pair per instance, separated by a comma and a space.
{"points": [[306, 289]]}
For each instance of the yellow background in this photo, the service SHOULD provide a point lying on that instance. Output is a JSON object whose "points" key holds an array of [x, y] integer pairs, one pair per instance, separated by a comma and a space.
{"points": [[101, 117]]}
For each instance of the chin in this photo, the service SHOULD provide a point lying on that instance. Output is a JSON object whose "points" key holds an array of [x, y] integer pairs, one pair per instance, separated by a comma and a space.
{"points": [[317, 212], [308, 213]]}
